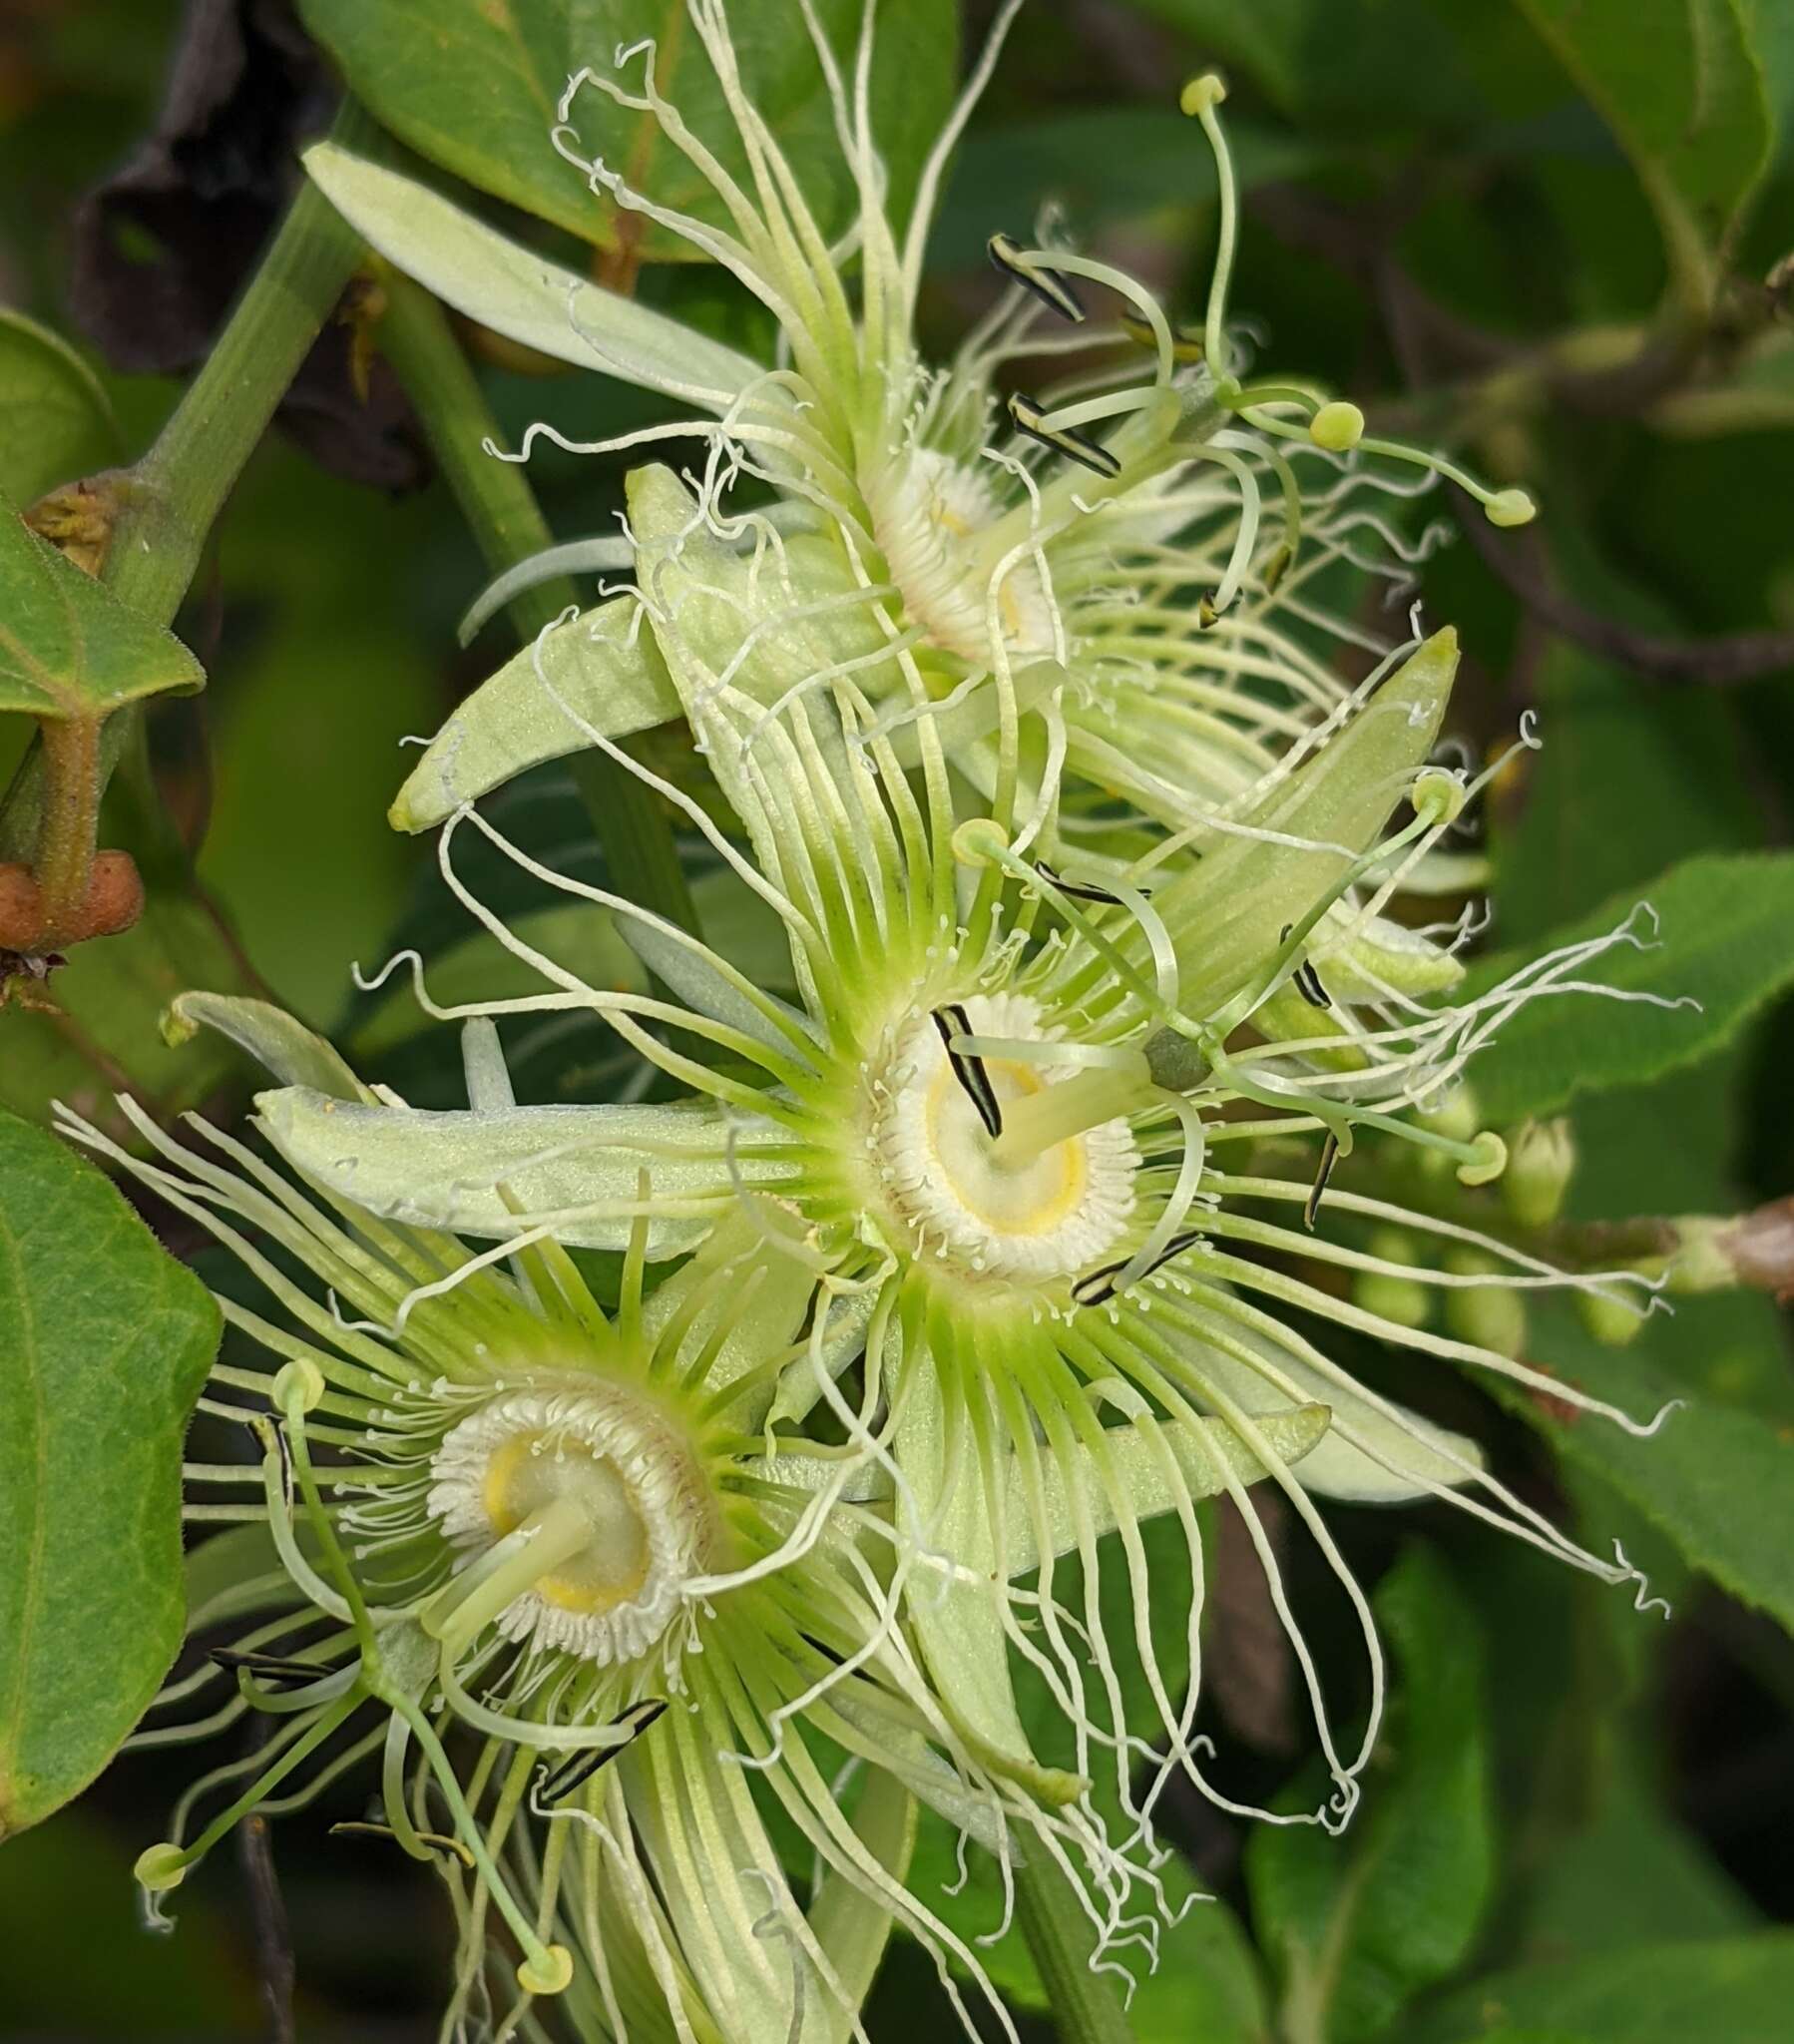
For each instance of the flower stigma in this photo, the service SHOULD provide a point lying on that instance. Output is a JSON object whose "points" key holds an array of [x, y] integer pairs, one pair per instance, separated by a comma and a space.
{"points": [[582, 1514], [990, 1207]]}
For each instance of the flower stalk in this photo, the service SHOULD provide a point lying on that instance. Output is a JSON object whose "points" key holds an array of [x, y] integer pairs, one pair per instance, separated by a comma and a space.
{"points": [[1084, 2006]]}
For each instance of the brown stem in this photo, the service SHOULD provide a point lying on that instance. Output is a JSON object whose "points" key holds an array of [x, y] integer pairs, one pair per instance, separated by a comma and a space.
{"points": [[1518, 559], [65, 847], [1425, 335]]}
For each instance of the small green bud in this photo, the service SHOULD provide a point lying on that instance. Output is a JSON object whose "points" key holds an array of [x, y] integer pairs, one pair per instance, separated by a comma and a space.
{"points": [[1510, 507], [1401, 1299], [1490, 1316], [1540, 1163], [1337, 427], [1457, 1116], [1437, 797], [1612, 1323], [979, 842], [1703, 1259]]}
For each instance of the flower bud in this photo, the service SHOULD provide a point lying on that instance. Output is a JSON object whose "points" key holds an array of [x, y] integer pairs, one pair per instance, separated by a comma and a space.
{"points": [[1404, 1301], [1490, 1316], [1540, 1164], [160, 1868], [1611, 1323]]}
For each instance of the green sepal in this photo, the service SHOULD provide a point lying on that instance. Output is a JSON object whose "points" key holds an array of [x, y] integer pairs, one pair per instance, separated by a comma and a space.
{"points": [[443, 1170], [295, 1055], [518, 293], [591, 674], [1226, 917]]}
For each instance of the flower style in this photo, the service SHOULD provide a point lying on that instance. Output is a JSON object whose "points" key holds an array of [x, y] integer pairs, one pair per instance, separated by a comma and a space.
{"points": [[992, 1131], [483, 1506], [1133, 555]]}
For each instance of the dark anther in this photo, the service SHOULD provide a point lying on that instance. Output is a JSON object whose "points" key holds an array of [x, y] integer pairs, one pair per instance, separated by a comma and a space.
{"points": [[1329, 1157], [953, 1021], [1027, 417], [1098, 1288], [271, 1668], [1187, 342], [1081, 890], [1308, 984], [574, 1773], [1047, 284], [1305, 979]]}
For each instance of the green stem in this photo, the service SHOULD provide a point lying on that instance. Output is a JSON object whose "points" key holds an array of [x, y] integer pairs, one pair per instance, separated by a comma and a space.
{"points": [[501, 509], [1085, 2007], [165, 504], [172, 495]]}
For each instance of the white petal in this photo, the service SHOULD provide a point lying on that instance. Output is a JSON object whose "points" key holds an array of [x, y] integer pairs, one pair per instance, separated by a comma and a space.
{"points": [[271, 1036], [516, 292], [1206, 1451], [1401, 1456], [445, 1169]]}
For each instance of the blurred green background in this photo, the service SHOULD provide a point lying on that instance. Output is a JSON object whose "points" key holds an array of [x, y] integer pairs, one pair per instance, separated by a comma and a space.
{"points": [[1464, 215]]}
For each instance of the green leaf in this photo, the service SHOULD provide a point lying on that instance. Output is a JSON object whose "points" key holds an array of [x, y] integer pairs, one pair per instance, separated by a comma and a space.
{"points": [[56, 420], [67, 646], [473, 85], [1631, 780], [1105, 165], [1634, 1872], [76, 1962], [1723, 923], [1359, 66], [1717, 1480], [1735, 1990], [1685, 94], [1358, 1926], [107, 1342]]}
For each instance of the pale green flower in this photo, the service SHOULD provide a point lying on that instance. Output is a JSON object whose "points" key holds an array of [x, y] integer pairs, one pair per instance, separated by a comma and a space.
{"points": [[481, 1507], [995, 1129], [1129, 563]]}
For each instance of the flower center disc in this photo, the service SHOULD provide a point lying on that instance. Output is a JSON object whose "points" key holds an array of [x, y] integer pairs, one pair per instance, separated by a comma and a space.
{"points": [[1050, 1216], [928, 512], [602, 1459], [531, 1471]]}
